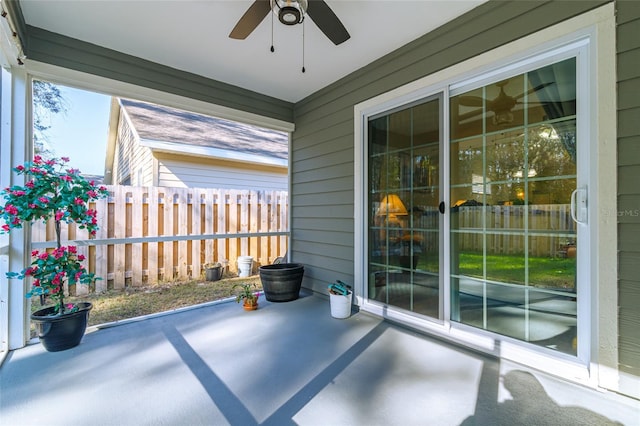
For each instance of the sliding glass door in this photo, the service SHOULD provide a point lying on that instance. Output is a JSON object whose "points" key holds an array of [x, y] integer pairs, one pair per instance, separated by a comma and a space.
{"points": [[403, 199], [513, 228]]}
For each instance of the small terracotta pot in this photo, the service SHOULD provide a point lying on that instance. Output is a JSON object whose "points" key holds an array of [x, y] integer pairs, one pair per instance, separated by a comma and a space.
{"points": [[249, 306]]}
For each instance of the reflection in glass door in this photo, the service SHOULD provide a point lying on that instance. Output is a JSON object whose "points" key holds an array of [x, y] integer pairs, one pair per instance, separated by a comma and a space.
{"points": [[403, 216], [512, 175]]}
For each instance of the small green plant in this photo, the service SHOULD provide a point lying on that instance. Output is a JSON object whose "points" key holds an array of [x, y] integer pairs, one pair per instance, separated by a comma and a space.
{"points": [[247, 295]]}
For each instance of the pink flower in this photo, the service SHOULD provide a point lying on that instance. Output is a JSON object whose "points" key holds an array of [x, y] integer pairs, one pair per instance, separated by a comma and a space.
{"points": [[78, 201], [30, 184], [78, 276], [93, 194], [59, 215], [37, 159], [67, 178], [43, 256], [34, 253], [18, 193], [73, 249], [11, 209], [43, 200], [81, 257], [5, 228], [64, 159], [19, 168]]}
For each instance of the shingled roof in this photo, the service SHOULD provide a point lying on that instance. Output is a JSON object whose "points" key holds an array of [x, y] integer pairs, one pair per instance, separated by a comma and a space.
{"points": [[164, 124]]}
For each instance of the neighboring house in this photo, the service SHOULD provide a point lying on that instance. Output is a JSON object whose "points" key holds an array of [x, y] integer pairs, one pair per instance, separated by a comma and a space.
{"points": [[154, 145], [584, 56]]}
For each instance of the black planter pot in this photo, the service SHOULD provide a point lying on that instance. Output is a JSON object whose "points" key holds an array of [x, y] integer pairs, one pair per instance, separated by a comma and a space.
{"points": [[213, 274], [281, 282], [59, 333]]}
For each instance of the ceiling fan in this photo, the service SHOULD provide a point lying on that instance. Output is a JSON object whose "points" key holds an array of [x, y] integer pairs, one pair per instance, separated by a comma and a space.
{"points": [[501, 105], [292, 12]]}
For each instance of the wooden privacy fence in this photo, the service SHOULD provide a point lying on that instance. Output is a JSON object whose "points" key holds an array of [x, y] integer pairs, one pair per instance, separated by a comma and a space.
{"points": [[550, 229], [150, 233]]}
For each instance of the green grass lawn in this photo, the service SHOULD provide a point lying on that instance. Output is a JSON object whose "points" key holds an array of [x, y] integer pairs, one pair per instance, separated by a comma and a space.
{"points": [[544, 272]]}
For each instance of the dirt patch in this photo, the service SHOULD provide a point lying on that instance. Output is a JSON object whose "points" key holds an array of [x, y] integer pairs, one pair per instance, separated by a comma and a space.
{"points": [[131, 302]]}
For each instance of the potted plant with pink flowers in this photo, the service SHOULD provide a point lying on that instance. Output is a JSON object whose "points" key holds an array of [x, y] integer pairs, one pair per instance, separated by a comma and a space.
{"points": [[247, 296], [53, 190]]}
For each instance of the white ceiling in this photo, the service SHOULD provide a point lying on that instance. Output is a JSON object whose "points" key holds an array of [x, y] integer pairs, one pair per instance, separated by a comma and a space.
{"points": [[192, 35]]}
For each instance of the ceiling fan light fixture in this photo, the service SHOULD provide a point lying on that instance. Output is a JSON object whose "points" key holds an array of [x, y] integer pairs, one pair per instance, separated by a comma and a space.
{"points": [[290, 12], [289, 15], [501, 118]]}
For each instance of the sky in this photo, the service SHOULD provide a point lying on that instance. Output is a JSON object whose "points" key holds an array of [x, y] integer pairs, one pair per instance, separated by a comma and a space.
{"points": [[81, 133]]}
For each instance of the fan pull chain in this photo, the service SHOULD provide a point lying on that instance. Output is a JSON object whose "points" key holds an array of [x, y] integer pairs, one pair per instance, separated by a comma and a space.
{"points": [[272, 48], [303, 70]]}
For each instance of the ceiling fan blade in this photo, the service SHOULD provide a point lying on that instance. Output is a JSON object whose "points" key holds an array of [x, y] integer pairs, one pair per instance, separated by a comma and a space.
{"points": [[467, 115], [472, 101], [535, 89], [251, 19], [327, 21]]}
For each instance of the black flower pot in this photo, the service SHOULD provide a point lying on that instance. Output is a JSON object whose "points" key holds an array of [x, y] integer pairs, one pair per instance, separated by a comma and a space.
{"points": [[59, 333], [281, 282], [213, 274]]}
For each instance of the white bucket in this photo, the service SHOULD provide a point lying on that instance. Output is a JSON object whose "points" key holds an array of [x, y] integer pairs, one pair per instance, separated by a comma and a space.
{"points": [[340, 305], [244, 265]]}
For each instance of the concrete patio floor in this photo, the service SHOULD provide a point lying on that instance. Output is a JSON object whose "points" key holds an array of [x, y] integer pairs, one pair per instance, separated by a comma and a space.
{"points": [[284, 364]]}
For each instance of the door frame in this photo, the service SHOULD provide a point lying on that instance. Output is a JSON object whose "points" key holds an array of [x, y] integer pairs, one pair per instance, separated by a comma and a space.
{"points": [[596, 29]]}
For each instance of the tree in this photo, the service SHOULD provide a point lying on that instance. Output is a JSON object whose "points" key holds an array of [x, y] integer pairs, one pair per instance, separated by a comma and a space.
{"points": [[47, 101]]}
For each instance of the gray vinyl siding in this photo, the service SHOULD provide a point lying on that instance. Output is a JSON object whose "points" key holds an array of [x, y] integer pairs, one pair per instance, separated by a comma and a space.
{"points": [[628, 63], [322, 149], [56, 49]]}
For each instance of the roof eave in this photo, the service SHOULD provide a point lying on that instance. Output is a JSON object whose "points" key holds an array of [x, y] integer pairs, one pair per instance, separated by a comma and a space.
{"points": [[213, 153]]}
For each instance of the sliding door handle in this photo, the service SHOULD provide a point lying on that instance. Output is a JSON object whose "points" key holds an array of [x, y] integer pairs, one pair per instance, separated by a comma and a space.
{"points": [[441, 207], [579, 206]]}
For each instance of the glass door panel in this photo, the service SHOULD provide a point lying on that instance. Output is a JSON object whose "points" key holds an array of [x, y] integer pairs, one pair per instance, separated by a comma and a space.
{"points": [[404, 220], [513, 241]]}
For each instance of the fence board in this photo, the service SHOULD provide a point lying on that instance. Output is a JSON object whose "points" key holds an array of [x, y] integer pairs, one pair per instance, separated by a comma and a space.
{"points": [[219, 212], [102, 251], [182, 228], [167, 229], [198, 200], [153, 220], [119, 231]]}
